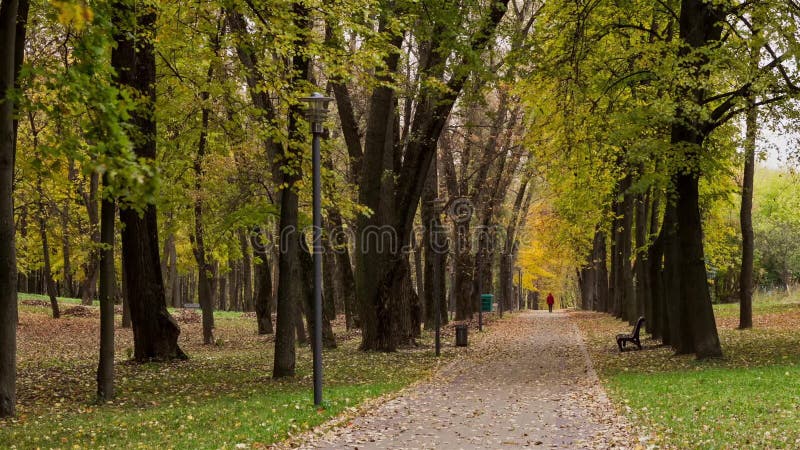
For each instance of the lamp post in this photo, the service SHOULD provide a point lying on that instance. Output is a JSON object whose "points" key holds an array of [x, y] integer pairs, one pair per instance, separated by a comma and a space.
{"points": [[434, 228], [519, 292], [317, 111]]}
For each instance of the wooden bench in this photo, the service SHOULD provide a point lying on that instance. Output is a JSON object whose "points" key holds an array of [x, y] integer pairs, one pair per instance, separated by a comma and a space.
{"points": [[622, 339]]}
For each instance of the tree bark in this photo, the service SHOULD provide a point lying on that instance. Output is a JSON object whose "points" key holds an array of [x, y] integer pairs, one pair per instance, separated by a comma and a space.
{"points": [[700, 26], [289, 303], [205, 289], [155, 332], [746, 218], [105, 368], [9, 10]]}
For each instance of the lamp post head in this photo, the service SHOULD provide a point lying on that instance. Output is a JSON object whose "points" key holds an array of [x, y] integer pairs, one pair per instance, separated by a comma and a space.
{"points": [[317, 110]]}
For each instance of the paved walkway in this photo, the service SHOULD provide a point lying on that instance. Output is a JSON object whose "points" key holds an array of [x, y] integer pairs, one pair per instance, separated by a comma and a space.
{"points": [[527, 383]]}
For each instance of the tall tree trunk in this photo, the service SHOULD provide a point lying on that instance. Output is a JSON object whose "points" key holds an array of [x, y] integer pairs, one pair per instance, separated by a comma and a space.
{"points": [[700, 26], [288, 262], [746, 217], [204, 267], [105, 368], [10, 52], [155, 332], [693, 276]]}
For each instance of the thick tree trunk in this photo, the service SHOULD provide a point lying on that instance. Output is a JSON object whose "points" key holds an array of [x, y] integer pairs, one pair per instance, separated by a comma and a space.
{"points": [[155, 332], [8, 265], [289, 303], [693, 276], [105, 368], [700, 26]]}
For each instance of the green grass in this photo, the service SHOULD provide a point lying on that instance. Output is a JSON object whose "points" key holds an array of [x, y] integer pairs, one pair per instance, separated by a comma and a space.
{"points": [[222, 396], [257, 416], [77, 301], [773, 302], [750, 398], [716, 408]]}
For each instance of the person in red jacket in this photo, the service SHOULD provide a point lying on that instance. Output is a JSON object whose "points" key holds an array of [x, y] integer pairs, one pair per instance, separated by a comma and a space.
{"points": [[550, 301]]}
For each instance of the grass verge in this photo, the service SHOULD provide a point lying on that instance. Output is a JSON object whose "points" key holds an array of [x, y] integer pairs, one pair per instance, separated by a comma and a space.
{"points": [[748, 399], [223, 397]]}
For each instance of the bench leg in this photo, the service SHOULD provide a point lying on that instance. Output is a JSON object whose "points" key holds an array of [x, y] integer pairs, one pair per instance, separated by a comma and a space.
{"points": [[619, 344]]}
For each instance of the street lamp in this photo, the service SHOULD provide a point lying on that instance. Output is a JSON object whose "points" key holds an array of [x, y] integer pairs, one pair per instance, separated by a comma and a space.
{"points": [[317, 111]]}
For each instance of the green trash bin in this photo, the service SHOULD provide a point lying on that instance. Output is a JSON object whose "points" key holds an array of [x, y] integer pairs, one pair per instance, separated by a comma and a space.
{"points": [[486, 302]]}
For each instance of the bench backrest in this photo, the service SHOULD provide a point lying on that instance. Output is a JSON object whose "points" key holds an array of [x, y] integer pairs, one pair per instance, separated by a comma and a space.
{"points": [[638, 327]]}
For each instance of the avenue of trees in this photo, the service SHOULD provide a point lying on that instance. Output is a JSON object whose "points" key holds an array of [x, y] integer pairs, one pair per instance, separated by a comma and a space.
{"points": [[154, 154]]}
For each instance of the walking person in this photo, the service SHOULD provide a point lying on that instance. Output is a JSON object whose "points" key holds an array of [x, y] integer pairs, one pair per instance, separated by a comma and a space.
{"points": [[550, 301]]}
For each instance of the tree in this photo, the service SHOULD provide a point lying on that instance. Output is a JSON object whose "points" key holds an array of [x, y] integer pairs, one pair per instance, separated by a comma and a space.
{"points": [[105, 368], [9, 20], [155, 331], [381, 275]]}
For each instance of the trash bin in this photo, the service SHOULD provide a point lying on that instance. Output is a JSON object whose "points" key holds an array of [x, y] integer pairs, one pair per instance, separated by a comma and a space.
{"points": [[461, 335], [486, 302]]}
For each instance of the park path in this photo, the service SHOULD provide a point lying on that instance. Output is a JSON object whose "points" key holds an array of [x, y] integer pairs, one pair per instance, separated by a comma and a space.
{"points": [[528, 382]]}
